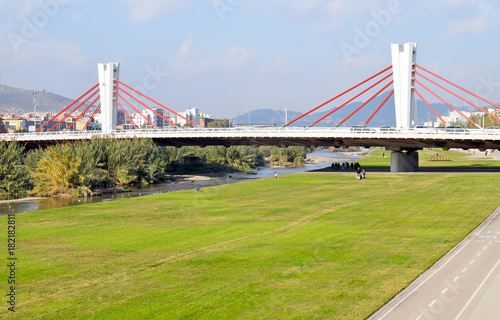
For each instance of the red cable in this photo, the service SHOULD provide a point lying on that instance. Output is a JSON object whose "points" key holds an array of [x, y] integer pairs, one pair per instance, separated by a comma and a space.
{"points": [[323, 104], [349, 101], [125, 113], [364, 104], [83, 113], [456, 95], [379, 107], [144, 105], [475, 95], [130, 105], [76, 108], [69, 106], [449, 105], [414, 89], [144, 96], [92, 117]]}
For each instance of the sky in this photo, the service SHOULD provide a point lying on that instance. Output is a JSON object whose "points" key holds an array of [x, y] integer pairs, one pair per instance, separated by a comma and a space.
{"points": [[228, 56]]}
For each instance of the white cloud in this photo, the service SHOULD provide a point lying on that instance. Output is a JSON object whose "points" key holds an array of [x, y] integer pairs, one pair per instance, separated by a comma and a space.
{"points": [[483, 21], [236, 57], [144, 10], [185, 49], [54, 52]]}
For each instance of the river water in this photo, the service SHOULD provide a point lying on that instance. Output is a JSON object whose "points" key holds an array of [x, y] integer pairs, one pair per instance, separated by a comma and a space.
{"points": [[266, 172]]}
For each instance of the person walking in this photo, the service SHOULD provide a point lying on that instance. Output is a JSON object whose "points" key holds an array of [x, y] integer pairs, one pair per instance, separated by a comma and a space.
{"points": [[275, 175]]}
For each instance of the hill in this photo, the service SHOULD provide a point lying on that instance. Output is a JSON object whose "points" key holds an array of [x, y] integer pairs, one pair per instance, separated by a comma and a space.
{"points": [[15, 100]]}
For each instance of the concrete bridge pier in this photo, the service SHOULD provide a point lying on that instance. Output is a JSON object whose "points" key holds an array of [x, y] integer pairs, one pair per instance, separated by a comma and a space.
{"points": [[404, 161]]}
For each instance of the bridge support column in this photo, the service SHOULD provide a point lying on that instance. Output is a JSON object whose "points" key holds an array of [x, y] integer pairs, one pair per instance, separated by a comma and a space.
{"points": [[107, 74], [403, 57], [404, 161]]}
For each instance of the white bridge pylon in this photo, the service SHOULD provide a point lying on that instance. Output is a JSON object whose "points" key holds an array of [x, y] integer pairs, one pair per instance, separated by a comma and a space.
{"points": [[108, 72], [403, 58]]}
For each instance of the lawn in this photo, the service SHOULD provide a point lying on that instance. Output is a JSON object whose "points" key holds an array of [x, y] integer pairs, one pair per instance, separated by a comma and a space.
{"points": [[306, 246], [432, 158]]}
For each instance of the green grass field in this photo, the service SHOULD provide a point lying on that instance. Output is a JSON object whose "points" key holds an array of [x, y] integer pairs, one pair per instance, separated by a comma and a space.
{"points": [[306, 246]]}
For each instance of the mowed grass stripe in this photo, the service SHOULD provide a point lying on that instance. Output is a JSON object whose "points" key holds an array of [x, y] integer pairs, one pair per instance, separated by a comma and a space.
{"points": [[309, 246]]}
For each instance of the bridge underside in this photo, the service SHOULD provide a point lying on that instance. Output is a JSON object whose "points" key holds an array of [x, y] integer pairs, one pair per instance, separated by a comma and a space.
{"points": [[393, 144]]}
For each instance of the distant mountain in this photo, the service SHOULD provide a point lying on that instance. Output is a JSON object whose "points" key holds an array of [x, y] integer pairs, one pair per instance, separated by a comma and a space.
{"points": [[386, 116], [15, 100]]}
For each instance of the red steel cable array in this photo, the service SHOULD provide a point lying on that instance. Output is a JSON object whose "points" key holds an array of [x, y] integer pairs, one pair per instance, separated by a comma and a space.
{"points": [[338, 96], [144, 96], [69, 106], [365, 103], [444, 101], [456, 95], [83, 113], [130, 105], [144, 105], [76, 108], [457, 86], [350, 100]]}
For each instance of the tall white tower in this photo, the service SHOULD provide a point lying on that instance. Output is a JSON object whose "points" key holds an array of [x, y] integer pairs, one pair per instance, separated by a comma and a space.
{"points": [[108, 72], [403, 58]]}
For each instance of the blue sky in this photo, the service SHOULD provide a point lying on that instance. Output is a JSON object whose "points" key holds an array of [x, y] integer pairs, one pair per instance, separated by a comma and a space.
{"points": [[227, 55]]}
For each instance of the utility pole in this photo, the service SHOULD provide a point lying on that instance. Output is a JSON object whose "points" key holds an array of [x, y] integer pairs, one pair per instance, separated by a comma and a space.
{"points": [[286, 115], [35, 106]]}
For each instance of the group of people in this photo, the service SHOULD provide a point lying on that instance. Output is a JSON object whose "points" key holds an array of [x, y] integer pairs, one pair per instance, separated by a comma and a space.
{"points": [[345, 166], [353, 166]]}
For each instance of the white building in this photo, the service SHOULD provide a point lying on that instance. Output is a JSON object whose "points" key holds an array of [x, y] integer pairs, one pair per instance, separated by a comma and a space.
{"points": [[192, 114]]}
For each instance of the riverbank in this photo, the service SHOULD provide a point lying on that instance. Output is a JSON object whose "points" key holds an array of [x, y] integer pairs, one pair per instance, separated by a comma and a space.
{"points": [[179, 182], [31, 199]]}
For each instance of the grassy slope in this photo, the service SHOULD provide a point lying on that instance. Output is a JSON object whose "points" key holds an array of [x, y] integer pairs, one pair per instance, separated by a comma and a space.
{"points": [[305, 246]]}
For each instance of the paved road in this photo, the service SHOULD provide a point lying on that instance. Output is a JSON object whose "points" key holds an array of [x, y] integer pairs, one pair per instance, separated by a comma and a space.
{"points": [[464, 284]]}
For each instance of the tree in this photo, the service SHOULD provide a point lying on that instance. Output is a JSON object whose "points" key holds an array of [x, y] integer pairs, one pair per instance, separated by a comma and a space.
{"points": [[219, 123]]}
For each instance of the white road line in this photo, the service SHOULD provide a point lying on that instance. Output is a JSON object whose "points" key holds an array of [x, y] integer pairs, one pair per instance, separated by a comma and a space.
{"points": [[472, 261], [486, 247], [477, 291], [432, 303], [480, 241], [444, 264], [444, 291], [456, 278], [465, 269], [419, 317], [479, 254]]}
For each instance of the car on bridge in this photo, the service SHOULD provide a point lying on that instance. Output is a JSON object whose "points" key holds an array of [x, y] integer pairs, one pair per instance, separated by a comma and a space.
{"points": [[456, 129], [361, 128]]}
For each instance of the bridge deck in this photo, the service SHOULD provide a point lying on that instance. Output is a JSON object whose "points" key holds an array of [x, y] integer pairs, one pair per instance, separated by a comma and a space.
{"points": [[394, 139]]}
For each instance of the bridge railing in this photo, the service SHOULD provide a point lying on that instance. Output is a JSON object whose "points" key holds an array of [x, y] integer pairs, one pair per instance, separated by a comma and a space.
{"points": [[368, 132]]}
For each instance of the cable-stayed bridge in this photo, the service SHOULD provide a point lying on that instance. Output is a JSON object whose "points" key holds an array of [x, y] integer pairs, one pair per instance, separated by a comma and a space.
{"points": [[404, 79]]}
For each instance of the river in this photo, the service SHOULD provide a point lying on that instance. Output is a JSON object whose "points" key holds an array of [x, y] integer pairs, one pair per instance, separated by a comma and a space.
{"points": [[266, 172]]}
